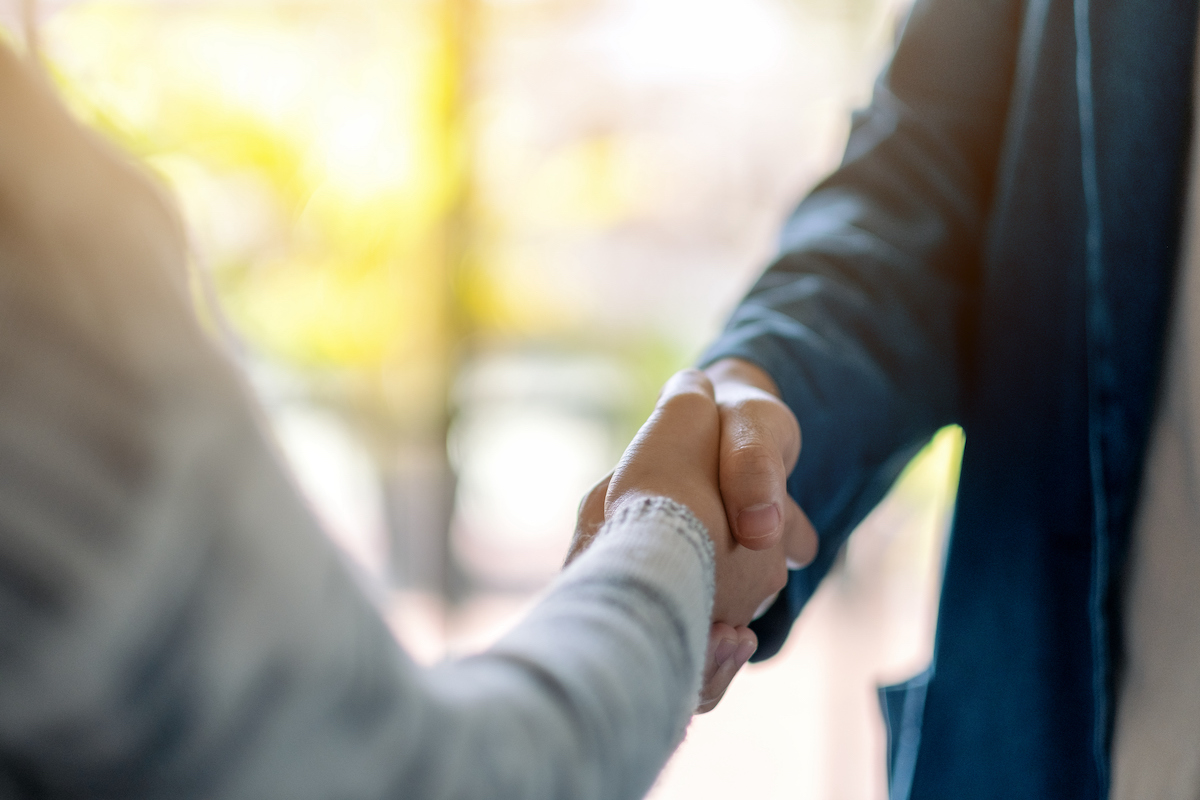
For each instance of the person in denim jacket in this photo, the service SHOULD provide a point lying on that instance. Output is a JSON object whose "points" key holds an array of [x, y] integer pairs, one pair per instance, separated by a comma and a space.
{"points": [[998, 249]]}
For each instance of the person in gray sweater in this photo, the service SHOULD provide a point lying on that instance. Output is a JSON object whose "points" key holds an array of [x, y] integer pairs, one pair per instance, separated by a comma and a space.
{"points": [[173, 623]]}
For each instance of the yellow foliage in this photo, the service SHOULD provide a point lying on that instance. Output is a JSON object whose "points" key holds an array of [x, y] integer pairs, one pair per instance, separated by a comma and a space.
{"points": [[333, 123]]}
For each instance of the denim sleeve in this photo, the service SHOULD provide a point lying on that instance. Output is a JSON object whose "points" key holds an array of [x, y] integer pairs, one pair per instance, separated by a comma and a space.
{"points": [[863, 318]]}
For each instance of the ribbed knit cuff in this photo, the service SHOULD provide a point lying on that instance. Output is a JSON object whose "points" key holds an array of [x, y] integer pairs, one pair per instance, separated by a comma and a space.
{"points": [[652, 514]]}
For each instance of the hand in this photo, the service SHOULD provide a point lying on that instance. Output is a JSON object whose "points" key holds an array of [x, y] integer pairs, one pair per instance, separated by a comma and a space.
{"points": [[675, 455], [759, 445], [729, 647], [760, 442]]}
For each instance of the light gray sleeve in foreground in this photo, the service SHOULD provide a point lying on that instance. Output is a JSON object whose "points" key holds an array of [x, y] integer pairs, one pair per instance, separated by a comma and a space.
{"points": [[174, 625], [172, 622]]}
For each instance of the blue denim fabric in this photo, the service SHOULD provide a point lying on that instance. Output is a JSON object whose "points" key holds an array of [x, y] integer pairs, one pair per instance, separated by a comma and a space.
{"points": [[996, 250], [903, 707]]}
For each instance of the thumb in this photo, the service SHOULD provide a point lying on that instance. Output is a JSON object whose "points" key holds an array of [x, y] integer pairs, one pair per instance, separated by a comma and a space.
{"points": [[760, 441]]}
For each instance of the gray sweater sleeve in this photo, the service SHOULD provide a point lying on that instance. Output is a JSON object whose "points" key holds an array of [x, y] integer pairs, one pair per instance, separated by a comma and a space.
{"points": [[173, 624]]}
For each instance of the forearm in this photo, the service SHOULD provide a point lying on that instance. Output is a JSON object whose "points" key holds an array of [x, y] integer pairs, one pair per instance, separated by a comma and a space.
{"points": [[862, 325], [219, 614], [589, 695], [860, 320], [586, 698]]}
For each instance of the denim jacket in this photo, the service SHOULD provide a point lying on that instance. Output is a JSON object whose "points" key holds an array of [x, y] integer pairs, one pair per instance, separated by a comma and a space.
{"points": [[997, 250]]}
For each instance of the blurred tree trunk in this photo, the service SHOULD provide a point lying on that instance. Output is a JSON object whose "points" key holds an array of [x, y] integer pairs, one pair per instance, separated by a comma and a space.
{"points": [[419, 483]]}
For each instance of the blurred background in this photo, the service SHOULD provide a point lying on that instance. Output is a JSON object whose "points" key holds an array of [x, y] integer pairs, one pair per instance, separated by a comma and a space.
{"points": [[457, 245]]}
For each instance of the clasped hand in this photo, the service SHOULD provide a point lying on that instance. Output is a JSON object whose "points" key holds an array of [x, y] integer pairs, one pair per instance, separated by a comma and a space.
{"points": [[722, 443]]}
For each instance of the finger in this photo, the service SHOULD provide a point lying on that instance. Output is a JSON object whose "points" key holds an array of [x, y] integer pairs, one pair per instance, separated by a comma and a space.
{"points": [[722, 646], [589, 519], [732, 649], [722, 643], [675, 453], [799, 535], [760, 441], [686, 415]]}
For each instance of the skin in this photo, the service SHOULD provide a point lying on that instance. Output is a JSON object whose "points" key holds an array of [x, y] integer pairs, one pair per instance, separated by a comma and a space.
{"points": [[760, 443], [721, 442]]}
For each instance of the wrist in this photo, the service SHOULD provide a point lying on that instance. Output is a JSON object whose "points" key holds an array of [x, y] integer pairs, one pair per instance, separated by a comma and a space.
{"points": [[706, 510]]}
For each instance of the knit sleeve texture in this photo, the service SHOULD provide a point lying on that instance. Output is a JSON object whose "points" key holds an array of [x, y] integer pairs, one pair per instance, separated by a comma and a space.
{"points": [[173, 624]]}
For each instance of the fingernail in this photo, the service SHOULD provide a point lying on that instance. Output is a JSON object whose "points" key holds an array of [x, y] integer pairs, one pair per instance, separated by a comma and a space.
{"points": [[726, 649], [758, 521], [745, 650]]}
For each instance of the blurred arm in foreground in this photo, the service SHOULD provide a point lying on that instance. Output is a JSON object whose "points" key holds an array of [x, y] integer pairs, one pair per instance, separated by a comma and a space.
{"points": [[173, 624]]}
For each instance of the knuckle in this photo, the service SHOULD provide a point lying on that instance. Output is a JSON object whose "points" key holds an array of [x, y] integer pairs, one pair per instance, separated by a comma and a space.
{"points": [[752, 460], [694, 379], [763, 416], [688, 402], [761, 405]]}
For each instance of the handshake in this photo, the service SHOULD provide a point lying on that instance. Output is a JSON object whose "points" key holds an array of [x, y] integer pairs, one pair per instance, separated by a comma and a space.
{"points": [[722, 443]]}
